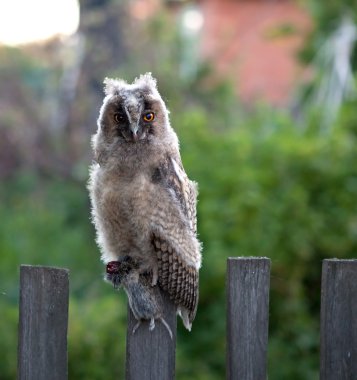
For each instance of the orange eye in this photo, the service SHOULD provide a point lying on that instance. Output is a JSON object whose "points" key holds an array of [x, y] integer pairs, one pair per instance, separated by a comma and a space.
{"points": [[149, 116]]}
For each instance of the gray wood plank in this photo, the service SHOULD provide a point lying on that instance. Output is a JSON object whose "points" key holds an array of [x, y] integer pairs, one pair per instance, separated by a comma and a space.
{"points": [[150, 355], [248, 282], [43, 319], [338, 335]]}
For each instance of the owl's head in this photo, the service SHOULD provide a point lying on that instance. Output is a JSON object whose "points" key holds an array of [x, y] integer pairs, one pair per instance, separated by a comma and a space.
{"points": [[132, 115]]}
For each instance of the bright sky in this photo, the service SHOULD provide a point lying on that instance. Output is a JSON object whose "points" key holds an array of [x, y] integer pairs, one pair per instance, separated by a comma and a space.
{"points": [[23, 21]]}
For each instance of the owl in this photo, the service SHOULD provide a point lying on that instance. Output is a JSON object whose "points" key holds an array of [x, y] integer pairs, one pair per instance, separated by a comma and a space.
{"points": [[143, 204]]}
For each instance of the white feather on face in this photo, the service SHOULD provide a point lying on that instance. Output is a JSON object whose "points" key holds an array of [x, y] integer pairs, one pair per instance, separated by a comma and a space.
{"points": [[144, 205], [132, 113]]}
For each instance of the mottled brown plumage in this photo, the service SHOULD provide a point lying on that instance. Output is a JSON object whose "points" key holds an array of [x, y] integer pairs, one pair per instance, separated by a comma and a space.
{"points": [[143, 204], [179, 280]]}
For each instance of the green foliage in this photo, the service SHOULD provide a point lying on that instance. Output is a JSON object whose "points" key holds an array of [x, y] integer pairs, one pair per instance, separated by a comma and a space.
{"points": [[8, 341], [266, 189], [97, 332], [327, 16], [47, 223]]}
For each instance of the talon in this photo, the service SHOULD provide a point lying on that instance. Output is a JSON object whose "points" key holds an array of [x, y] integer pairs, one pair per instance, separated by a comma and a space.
{"points": [[136, 327], [152, 324], [114, 279]]}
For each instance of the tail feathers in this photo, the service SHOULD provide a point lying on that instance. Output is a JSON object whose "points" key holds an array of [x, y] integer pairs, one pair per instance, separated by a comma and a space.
{"points": [[184, 314]]}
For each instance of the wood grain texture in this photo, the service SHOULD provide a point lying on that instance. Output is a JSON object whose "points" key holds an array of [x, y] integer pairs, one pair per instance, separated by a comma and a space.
{"points": [[150, 355], [338, 356], [248, 281], [43, 319]]}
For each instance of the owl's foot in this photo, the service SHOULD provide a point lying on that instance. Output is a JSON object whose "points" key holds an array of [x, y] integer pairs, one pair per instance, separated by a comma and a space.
{"points": [[152, 273], [152, 326], [136, 327]]}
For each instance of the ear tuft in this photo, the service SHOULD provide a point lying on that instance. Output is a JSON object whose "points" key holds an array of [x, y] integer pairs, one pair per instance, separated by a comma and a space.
{"points": [[146, 79], [113, 86]]}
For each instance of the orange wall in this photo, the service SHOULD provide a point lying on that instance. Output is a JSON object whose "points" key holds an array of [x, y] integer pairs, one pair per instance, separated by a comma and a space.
{"points": [[241, 40]]}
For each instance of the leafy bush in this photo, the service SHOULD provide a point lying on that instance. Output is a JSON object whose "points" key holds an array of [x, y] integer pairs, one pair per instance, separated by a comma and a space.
{"points": [[266, 189], [97, 337]]}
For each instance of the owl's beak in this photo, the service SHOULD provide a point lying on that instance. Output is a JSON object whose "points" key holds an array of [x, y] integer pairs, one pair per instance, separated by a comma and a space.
{"points": [[135, 132], [135, 136]]}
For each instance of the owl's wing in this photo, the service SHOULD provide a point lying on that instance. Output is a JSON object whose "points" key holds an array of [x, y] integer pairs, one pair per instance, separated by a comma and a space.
{"points": [[176, 244], [184, 190]]}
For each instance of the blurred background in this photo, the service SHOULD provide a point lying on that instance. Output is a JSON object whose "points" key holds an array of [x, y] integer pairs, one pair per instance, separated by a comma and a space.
{"points": [[262, 94]]}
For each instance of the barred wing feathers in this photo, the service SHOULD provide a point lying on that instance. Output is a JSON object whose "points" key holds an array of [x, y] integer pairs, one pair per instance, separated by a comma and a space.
{"points": [[178, 264]]}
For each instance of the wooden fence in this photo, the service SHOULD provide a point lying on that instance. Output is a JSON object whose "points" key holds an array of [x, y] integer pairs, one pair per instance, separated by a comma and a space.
{"points": [[43, 318]]}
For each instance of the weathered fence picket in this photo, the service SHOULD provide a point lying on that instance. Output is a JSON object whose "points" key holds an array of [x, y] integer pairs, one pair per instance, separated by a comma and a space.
{"points": [[338, 354], [43, 320], [151, 354], [248, 281]]}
